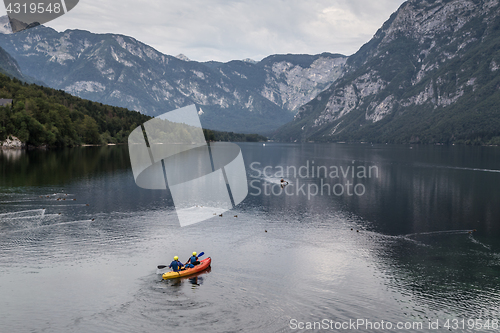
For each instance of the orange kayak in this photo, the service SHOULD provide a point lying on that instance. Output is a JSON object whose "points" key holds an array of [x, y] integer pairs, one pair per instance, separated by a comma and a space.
{"points": [[204, 264]]}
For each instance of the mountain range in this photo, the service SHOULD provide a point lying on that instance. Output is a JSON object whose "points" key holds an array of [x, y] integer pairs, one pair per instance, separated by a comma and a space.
{"points": [[430, 74], [239, 96]]}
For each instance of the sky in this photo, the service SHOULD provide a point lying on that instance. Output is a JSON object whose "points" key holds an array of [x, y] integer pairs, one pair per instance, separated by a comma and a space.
{"points": [[225, 30]]}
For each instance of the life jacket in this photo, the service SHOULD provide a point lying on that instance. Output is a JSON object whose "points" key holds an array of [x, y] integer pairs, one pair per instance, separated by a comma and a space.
{"points": [[176, 265], [193, 259]]}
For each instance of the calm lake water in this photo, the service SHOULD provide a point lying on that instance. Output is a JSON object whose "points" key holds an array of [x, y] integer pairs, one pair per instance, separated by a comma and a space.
{"points": [[393, 242]]}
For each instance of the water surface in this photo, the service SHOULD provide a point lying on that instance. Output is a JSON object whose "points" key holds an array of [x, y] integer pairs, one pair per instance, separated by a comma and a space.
{"points": [[403, 251]]}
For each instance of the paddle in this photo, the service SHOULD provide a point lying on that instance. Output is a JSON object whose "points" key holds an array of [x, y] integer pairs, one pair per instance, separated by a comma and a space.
{"points": [[163, 266]]}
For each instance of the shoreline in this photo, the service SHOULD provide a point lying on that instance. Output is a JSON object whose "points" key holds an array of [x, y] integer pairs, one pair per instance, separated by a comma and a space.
{"points": [[12, 142], [18, 145]]}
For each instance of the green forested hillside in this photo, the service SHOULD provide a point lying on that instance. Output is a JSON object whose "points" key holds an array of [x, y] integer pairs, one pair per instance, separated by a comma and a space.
{"points": [[44, 116]]}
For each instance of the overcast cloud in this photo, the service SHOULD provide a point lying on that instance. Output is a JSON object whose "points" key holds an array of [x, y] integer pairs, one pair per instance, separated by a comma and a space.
{"points": [[235, 29]]}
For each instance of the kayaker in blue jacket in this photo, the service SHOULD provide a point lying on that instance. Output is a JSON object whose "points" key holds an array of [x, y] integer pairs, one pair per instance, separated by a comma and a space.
{"points": [[176, 265], [193, 261]]}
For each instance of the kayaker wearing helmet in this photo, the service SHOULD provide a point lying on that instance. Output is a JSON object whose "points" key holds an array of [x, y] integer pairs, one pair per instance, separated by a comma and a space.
{"points": [[176, 265], [193, 261]]}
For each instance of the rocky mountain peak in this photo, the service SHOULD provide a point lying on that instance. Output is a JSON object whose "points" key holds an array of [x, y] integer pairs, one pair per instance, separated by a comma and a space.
{"points": [[418, 80], [182, 57], [250, 60]]}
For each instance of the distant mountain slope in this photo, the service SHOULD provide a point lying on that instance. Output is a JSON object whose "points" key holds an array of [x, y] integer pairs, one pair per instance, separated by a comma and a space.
{"points": [[9, 66], [430, 74], [238, 96], [291, 80]]}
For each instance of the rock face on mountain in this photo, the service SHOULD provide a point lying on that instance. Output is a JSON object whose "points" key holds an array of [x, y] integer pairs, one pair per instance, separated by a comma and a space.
{"points": [[239, 96], [10, 67], [430, 74]]}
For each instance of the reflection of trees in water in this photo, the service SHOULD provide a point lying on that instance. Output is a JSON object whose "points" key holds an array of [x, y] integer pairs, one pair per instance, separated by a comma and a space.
{"points": [[10, 155], [39, 167]]}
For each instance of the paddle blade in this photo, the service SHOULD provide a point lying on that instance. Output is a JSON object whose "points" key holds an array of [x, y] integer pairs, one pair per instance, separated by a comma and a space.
{"points": [[161, 266], [199, 255]]}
